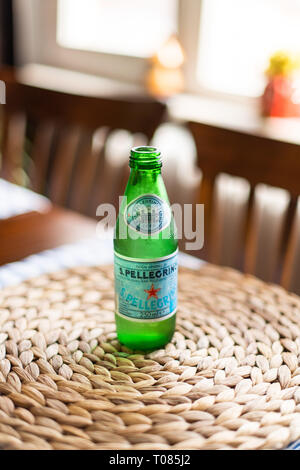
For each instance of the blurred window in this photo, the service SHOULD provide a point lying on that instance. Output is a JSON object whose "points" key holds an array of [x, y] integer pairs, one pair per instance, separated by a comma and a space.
{"points": [[236, 39], [126, 27]]}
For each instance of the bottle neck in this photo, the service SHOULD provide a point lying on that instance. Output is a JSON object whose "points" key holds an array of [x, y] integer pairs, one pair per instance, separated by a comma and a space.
{"points": [[142, 173], [144, 177], [145, 159]]}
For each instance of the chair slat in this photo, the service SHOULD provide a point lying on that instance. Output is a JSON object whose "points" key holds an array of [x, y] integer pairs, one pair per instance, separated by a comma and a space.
{"points": [[40, 155], [115, 163], [229, 214], [12, 146], [91, 148], [83, 173], [63, 161], [181, 175], [265, 234], [291, 268], [138, 140]]}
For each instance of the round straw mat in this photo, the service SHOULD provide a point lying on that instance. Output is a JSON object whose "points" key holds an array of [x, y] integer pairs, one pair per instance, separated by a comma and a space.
{"points": [[228, 380]]}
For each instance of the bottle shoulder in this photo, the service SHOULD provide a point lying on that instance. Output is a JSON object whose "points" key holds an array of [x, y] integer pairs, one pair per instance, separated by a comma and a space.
{"points": [[145, 227], [152, 251]]}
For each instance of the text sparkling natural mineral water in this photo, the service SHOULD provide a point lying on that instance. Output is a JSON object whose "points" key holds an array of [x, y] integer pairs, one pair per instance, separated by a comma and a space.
{"points": [[145, 260]]}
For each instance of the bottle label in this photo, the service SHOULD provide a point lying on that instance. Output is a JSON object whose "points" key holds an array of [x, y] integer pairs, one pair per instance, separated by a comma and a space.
{"points": [[146, 290], [148, 214]]}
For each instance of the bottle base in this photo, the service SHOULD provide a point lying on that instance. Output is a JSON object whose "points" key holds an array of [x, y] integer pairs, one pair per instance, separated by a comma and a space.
{"points": [[145, 346], [145, 337]]}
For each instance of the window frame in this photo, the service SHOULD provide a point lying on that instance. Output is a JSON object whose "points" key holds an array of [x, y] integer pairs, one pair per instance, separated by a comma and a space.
{"points": [[38, 18]]}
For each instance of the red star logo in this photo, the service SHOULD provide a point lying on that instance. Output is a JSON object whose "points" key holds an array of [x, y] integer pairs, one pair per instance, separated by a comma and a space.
{"points": [[152, 292]]}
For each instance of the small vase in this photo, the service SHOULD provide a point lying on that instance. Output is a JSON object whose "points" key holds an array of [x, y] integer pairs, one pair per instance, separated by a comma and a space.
{"points": [[278, 99]]}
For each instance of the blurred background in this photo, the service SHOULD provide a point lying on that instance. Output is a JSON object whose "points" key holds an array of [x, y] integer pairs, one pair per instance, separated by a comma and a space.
{"points": [[214, 83]]}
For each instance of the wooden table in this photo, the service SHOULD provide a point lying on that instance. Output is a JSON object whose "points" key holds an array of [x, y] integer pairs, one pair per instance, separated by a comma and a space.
{"points": [[30, 233]]}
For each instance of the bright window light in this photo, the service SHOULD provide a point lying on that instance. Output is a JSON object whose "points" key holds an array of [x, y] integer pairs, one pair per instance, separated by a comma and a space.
{"points": [[237, 37], [127, 27]]}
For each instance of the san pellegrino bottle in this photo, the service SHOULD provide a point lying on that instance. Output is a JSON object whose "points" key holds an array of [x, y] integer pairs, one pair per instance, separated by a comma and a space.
{"points": [[145, 261]]}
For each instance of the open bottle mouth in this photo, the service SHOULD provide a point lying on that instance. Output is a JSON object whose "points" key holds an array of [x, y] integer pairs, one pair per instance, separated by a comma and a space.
{"points": [[145, 158]]}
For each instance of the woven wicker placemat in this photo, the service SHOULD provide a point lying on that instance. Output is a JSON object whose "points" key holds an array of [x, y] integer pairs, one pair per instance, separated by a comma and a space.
{"points": [[229, 379]]}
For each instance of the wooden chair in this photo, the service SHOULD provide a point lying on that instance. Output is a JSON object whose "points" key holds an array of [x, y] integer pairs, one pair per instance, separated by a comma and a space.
{"points": [[250, 187], [63, 142]]}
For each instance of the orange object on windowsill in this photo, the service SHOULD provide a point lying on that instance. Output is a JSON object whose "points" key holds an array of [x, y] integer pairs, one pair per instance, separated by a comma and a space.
{"points": [[277, 100], [165, 77], [280, 95]]}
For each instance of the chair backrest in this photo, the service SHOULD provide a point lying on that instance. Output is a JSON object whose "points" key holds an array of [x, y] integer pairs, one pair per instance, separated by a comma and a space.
{"points": [[250, 186], [60, 141]]}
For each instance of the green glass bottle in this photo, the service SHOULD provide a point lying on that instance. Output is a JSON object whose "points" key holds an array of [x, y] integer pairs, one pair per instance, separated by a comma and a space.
{"points": [[145, 246]]}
